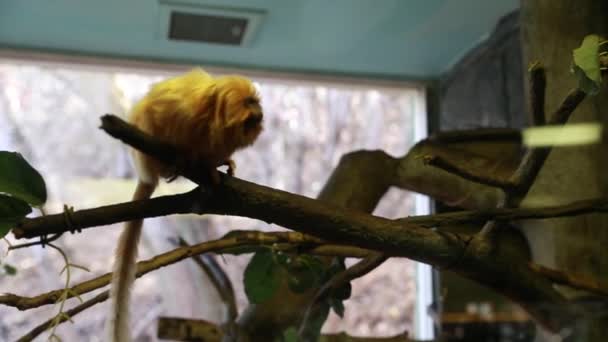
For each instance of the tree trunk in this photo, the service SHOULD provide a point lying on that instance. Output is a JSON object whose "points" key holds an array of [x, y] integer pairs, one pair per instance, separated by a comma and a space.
{"points": [[550, 31]]}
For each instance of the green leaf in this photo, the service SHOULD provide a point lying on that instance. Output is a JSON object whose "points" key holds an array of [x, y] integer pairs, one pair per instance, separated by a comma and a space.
{"points": [[587, 64], [262, 277], [19, 179], [12, 211], [305, 272], [343, 292], [290, 335], [337, 266], [9, 269], [338, 306], [586, 84]]}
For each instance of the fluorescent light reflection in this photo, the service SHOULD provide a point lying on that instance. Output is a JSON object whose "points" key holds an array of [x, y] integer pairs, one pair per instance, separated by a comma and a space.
{"points": [[567, 135]]}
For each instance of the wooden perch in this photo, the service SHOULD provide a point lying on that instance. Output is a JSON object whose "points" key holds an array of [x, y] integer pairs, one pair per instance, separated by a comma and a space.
{"points": [[185, 202]]}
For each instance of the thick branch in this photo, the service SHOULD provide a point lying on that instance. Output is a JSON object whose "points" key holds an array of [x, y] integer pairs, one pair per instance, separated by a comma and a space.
{"points": [[105, 215], [183, 203], [414, 174]]}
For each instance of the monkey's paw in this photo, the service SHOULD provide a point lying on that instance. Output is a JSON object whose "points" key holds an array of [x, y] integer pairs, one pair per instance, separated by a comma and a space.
{"points": [[231, 166]]}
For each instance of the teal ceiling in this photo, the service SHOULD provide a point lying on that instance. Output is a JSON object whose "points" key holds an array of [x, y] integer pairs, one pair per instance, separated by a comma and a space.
{"points": [[397, 39]]}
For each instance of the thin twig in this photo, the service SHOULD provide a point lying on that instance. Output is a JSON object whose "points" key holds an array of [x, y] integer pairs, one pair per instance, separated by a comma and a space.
{"points": [[574, 281], [68, 314], [509, 214], [41, 242], [534, 159], [477, 175], [358, 270], [538, 84], [227, 244]]}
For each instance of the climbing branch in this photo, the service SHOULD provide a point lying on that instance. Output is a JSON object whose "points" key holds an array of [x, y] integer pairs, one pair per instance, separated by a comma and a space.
{"points": [[183, 203]]}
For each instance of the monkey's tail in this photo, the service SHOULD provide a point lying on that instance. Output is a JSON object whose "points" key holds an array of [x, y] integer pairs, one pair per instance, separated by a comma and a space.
{"points": [[123, 274]]}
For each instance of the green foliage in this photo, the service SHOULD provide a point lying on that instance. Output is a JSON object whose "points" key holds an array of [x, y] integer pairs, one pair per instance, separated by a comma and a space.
{"points": [[304, 272], [290, 335], [266, 269], [337, 296], [9, 269], [20, 186], [262, 277], [12, 211], [587, 63], [19, 179], [337, 305]]}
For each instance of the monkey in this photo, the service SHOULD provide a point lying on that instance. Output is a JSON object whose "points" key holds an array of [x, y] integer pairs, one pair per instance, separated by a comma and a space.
{"points": [[207, 119]]}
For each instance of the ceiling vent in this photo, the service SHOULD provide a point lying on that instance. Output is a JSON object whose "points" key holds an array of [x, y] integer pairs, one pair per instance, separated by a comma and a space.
{"points": [[195, 23]]}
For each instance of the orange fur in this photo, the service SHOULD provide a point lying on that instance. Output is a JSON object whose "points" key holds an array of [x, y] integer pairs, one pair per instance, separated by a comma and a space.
{"points": [[206, 118]]}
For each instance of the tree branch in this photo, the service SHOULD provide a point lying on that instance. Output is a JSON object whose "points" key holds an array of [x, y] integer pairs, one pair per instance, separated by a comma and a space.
{"points": [[534, 159], [509, 214], [358, 270], [538, 84], [517, 185], [67, 316], [470, 172], [184, 203], [226, 244], [577, 282]]}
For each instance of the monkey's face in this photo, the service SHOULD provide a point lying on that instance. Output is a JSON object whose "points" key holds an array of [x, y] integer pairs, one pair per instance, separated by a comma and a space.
{"points": [[243, 112], [251, 127]]}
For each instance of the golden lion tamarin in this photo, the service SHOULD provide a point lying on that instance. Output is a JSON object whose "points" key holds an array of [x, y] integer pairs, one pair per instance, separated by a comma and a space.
{"points": [[207, 119]]}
